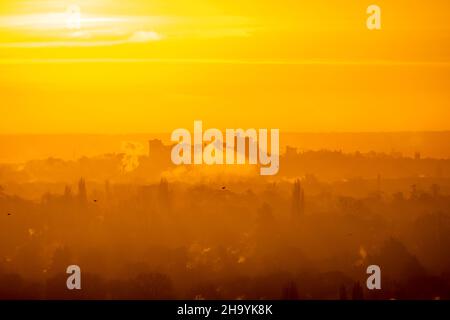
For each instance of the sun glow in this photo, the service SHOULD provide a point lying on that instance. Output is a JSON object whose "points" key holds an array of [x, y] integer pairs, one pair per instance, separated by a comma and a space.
{"points": [[200, 58], [73, 19], [69, 27]]}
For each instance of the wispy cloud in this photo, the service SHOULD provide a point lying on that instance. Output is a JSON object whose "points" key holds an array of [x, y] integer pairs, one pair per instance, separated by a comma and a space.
{"points": [[50, 30], [136, 37], [53, 20]]}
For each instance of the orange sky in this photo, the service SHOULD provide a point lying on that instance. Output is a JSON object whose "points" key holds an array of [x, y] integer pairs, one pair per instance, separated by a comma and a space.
{"points": [[153, 66]]}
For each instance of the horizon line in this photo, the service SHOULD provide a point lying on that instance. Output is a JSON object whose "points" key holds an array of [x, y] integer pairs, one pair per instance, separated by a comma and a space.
{"points": [[369, 62], [168, 133]]}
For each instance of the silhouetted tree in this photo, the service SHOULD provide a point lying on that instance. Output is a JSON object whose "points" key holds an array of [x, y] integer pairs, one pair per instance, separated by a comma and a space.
{"points": [[298, 199], [343, 293], [435, 189], [163, 195], [152, 286], [82, 193], [67, 194], [290, 291], [357, 292]]}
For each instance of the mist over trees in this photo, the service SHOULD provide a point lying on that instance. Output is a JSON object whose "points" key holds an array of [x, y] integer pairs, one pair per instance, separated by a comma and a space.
{"points": [[162, 232]]}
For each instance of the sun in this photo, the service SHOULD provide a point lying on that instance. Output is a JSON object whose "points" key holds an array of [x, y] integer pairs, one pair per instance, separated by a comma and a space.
{"points": [[73, 17]]}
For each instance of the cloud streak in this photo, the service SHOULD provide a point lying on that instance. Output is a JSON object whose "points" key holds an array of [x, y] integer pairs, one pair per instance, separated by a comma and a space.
{"points": [[50, 30], [136, 37]]}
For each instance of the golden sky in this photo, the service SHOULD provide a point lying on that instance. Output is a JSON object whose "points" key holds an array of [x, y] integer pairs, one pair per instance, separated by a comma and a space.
{"points": [[103, 66]]}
